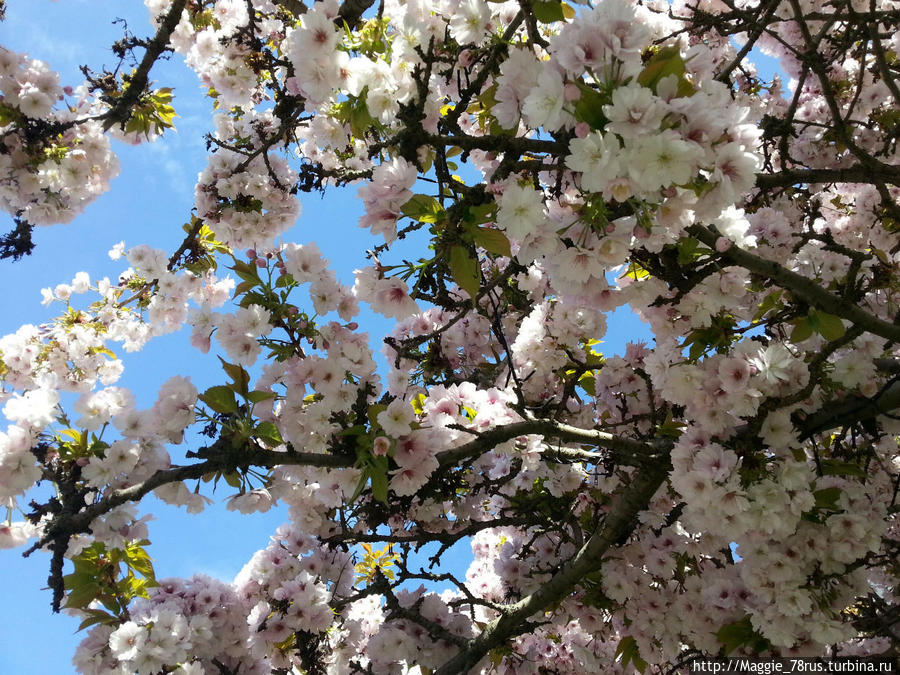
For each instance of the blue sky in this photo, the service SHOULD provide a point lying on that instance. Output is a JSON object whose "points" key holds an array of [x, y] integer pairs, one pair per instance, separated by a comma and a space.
{"points": [[148, 202]]}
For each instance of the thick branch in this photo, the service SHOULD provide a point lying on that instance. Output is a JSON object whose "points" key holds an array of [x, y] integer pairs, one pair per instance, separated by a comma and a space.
{"points": [[80, 522], [850, 174], [121, 110], [618, 524], [850, 410], [351, 12], [803, 288], [626, 448]]}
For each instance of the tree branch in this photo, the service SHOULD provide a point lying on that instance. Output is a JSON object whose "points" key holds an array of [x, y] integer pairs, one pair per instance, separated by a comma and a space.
{"points": [[626, 449], [851, 174], [121, 111], [618, 524], [806, 289], [851, 410]]}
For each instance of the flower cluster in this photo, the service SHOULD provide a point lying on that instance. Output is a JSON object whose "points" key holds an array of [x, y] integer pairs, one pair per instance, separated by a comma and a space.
{"points": [[725, 483]]}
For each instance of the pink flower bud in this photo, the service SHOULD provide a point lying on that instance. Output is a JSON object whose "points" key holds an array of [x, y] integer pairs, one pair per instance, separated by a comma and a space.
{"points": [[465, 58], [260, 262], [352, 325], [723, 244], [582, 129], [571, 92], [381, 445], [251, 253]]}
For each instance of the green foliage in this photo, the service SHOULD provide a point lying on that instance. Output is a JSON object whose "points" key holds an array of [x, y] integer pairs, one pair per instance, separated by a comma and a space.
{"points": [[741, 634], [372, 39], [549, 11], [206, 245], [719, 335], [589, 107], [99, 576], [354, 112], [492, 241], [666, 61], [627, 652], [375, 471], [827, 325], [423, 208], [374, 561], [220, 399], [80, 444], [465, 269], [9, 115], [268, 433], [153, 112]]}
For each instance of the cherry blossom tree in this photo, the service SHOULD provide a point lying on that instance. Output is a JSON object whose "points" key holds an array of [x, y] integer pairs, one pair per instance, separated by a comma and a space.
{"points": [[556, 162]]}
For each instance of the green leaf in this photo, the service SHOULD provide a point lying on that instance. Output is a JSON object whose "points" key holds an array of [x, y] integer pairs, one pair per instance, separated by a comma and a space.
{"points": [[82, 594], [356, 430], [628, 652], [246, 272], [372, 413], [361, 485], [802, 330], [547, 11], [667, 61], [268, 433], [827, 498], [481, 213], [243, 287], [257, 396], [233, 479], [8, 115], [284, 281], [139, 560], [418, 402], [96, 616], [770, 302], [589, 107], [423, 208], [360, 118], [671, 428], [828, 326], [492, 241], [240, 378], [740, 634], [220, 399], [378, 474], [832, 467], [74, 434], [465, 270]]}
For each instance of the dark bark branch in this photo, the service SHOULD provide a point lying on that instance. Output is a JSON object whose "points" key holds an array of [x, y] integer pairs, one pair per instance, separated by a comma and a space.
{"points": [[802, 287], [616, 527], [626, 449], [850, 410], [751, 42], [351, 11], [121, 110], [851, 174]]}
